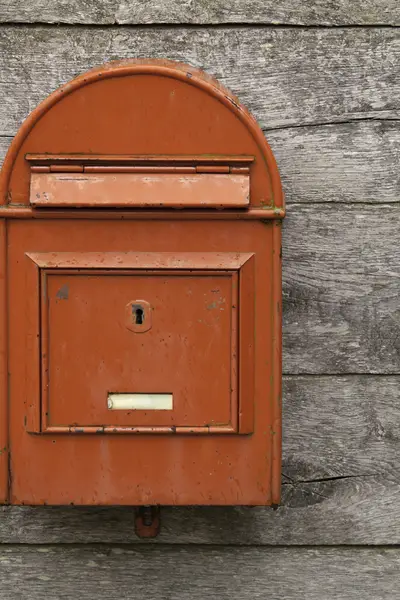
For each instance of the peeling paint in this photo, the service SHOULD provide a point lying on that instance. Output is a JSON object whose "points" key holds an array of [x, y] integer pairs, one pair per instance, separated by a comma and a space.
{"points": [[63, 292]]}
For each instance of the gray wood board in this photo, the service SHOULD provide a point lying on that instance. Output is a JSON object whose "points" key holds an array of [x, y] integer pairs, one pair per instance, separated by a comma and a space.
{"points": [[286, 76], [340, 427], [189, 573], [347, 162], [321, 12], [340, 472], [5, 141], [341, 288]]}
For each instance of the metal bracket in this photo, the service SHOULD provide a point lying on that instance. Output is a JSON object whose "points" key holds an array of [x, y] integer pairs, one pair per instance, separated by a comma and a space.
{"points": [[147, 521]]}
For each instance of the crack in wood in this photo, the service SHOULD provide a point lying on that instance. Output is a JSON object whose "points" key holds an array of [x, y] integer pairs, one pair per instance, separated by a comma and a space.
{"points": [[324, 479], [352, 121]]}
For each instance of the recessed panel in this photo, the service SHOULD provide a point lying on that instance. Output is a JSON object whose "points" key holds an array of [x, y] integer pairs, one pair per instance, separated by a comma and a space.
{"points": [[182, 343]]}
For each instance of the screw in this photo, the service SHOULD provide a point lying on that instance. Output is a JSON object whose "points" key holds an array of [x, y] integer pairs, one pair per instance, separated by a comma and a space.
{"points": [[147, 516]]}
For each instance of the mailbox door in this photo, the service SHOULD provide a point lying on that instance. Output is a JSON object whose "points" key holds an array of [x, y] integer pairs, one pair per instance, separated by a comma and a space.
{"points": [[74, 286], [143, 342]]}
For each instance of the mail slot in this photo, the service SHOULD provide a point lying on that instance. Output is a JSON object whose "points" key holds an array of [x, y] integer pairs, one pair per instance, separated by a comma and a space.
{"points": [[140, 227]]}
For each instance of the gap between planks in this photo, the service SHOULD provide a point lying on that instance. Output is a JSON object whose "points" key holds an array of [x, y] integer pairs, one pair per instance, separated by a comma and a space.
{"points": [[186, 25]]}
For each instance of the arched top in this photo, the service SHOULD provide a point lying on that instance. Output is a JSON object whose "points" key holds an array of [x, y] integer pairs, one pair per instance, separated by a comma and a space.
{"points": [[77, 97]]}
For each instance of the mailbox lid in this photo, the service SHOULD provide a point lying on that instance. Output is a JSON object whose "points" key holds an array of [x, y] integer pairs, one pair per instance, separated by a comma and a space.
{"points": [[170, 182]]}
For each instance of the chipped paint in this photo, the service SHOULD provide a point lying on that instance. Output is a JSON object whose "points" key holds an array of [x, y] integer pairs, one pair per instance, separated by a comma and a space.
{"points": [[63, 292]]}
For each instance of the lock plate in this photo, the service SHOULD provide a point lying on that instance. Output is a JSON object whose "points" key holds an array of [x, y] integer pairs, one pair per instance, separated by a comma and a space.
{"points": [[138, 316]]}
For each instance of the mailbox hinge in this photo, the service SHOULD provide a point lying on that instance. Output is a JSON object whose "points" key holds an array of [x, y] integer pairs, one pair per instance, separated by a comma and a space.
{"points": [[206, 169], [91, 163]]}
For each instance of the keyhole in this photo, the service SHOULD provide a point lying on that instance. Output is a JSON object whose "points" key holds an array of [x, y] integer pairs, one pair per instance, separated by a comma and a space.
{"points": [[139, 315]]}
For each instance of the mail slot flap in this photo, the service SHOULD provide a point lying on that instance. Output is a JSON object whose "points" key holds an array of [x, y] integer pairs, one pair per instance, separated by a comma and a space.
{"points": [[133, 189]]}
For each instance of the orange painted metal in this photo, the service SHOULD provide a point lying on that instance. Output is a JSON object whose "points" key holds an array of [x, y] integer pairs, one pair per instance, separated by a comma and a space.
{"points": [[65, 169], [4, 393], [113, 299], [17, 212], [133, 169], [208, 162], [276, 377]]}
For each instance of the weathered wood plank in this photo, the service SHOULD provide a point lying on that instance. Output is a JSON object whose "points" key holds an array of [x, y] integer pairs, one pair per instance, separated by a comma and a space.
{"points": [[341, 289], [348, 162], [5, 141], [340, 427], [324, 12], [286, 76], [341, 481], [198, 573]]}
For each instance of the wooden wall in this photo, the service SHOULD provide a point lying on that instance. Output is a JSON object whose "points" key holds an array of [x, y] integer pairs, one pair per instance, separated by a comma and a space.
{"points": [[323, 79]]}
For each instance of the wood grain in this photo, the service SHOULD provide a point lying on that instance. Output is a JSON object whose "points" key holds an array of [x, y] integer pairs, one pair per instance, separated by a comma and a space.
{"points": [[197, 573], [5, 141], [341, 289], [340, 427], [341, 481], [286, 76], [347, 162], [323, 12]]}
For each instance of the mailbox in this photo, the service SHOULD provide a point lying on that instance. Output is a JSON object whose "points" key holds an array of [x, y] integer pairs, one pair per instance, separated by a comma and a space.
{"points": [[140, 228]]}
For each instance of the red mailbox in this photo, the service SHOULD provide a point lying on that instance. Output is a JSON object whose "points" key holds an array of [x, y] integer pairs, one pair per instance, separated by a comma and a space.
{"points": [[140, 231]]}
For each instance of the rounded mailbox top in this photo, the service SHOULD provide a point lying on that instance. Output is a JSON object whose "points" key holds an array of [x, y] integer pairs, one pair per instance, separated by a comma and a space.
{"points": [[142, 108]]}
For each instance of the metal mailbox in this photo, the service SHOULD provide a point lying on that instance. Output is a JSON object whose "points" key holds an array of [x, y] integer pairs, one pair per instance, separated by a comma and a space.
{"points": [[140, 227]]}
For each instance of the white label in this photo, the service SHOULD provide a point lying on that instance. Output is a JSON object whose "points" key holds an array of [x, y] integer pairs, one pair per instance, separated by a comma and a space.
{"points": [[139, 401]]}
